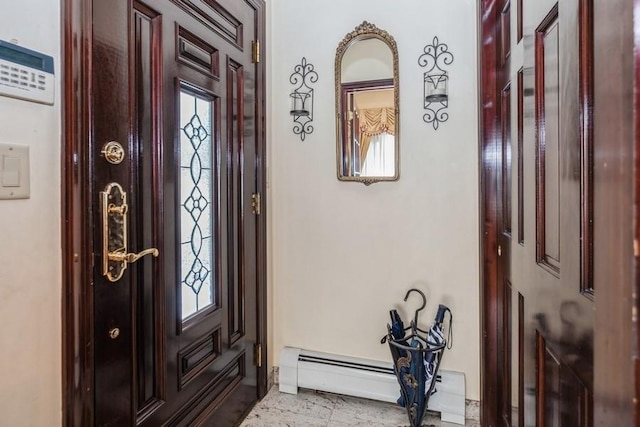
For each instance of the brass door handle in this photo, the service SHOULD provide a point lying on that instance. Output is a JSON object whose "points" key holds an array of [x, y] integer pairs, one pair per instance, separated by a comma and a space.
{"points": [[115, 257], [131, 258]]}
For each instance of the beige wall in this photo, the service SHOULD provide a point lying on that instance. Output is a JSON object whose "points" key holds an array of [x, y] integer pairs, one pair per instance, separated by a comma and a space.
{"points": [[343, 254], [30, 283]]}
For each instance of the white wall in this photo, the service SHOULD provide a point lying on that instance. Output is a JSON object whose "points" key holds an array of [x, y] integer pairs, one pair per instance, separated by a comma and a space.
{"points": [[343, 254], [30, 277]]}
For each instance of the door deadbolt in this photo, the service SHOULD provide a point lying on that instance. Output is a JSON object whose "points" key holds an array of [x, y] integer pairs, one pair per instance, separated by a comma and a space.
{"points": [[113, 152]]}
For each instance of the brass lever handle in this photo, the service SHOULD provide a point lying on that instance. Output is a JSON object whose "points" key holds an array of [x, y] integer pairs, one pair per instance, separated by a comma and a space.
{"points": [[115, 257], [131, 258]]}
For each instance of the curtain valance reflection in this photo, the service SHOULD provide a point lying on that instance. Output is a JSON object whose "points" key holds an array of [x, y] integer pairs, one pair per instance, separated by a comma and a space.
{"points": [[374, 121]]}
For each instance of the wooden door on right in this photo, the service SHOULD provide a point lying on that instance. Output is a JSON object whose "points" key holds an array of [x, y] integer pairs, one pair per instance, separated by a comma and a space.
{"points": [[548, 311]]}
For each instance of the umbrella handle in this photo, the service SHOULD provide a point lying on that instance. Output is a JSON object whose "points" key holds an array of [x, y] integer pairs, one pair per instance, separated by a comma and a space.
{"points": [[424, 303]]}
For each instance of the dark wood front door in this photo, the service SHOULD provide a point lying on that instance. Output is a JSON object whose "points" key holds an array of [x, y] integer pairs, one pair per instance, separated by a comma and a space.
{"points": [[538, 271], [175, 332]]}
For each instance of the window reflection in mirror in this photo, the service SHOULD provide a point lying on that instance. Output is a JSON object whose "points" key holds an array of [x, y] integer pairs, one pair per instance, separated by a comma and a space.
{"points": [[370, 129], [367, 106]]}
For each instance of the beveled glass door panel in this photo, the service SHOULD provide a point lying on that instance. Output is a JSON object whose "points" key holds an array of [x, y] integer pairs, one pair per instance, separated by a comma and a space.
{"points": [[197, 246]]}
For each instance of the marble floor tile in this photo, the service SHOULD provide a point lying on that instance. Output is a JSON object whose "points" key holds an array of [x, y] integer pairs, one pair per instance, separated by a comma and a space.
{"points": [[364, 412], [277, 418], [311, 404], [317, 409]]}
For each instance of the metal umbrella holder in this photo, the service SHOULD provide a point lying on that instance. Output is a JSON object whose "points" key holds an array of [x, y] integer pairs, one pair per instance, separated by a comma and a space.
{"points": [[416, 358]]}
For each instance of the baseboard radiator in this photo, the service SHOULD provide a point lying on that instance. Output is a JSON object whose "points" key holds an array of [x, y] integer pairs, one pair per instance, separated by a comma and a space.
{"points": [[365, 378]]}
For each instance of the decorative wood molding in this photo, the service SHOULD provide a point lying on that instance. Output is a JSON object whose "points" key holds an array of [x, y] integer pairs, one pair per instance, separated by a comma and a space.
{"points": [[520, 20], [520, 143], [541, 138], [196, 357], [505, 32], [216, 17], [521, 338], [586, 101], [197, 53], [505, 174]]}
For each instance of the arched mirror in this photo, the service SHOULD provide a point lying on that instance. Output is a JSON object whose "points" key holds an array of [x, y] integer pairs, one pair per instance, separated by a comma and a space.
{"points": [[367, 102]]}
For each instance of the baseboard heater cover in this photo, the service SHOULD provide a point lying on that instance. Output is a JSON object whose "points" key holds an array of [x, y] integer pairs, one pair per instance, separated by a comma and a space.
{"points": [[365, 378]]}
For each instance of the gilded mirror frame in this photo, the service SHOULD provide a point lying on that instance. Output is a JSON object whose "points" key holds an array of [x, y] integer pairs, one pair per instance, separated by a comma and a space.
{"points": [[366, 31]]}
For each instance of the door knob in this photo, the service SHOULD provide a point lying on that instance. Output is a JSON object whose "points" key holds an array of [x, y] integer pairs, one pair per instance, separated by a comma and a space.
{"points": [[115, 257]]}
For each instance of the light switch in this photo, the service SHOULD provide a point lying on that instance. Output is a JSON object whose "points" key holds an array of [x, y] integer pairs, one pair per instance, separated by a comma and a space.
{"points": [[14, 171], [10, 171]]}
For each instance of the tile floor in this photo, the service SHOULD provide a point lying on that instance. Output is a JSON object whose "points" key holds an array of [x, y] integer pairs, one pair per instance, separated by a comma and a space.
{"points": [[315, 409]]}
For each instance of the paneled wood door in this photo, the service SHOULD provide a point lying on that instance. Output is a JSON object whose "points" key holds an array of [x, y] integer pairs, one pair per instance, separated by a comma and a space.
{"points": [[174, 171], [538, 75]]}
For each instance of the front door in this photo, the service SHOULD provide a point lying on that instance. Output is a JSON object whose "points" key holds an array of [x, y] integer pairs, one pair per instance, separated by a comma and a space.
{"points": [[175, 157]]}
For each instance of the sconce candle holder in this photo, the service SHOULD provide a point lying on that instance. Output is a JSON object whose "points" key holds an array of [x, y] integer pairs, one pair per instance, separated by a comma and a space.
{"points": [[303, 77], [435, 58]]}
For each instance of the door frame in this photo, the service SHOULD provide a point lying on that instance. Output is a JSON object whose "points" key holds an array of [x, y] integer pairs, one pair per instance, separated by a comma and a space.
{"points": [[616, 215], [77, 257], [489, 162]]}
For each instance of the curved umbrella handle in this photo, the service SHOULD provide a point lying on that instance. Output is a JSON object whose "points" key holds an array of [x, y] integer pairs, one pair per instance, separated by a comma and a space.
{"points": [[424, 304]]}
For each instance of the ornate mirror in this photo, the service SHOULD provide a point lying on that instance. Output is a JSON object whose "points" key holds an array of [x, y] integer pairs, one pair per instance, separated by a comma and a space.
{"points": [[367, 103]]}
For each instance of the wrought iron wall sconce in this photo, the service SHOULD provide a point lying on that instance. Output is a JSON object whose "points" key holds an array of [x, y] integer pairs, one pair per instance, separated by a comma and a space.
{"points": [[303, 77], [435, 59]]}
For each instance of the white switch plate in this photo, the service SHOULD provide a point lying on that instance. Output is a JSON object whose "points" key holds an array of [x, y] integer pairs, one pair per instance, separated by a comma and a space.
{"points": [[22, 190]]}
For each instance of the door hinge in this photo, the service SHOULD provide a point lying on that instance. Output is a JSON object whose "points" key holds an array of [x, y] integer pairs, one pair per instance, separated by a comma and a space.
{"points": [[255, 46], [256, 203], [499, 250], [257, 355]]}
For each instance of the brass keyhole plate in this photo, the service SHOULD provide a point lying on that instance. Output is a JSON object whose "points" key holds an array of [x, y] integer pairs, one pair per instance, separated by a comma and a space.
{"points": [[113, 152]]}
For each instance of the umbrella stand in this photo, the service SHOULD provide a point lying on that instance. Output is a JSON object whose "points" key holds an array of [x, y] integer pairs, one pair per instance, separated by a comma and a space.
{"points": [[409, 367], [416, 360]]}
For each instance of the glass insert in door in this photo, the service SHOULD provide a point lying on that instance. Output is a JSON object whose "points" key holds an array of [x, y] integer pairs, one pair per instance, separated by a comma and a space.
{"points": [[196, 199]]}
